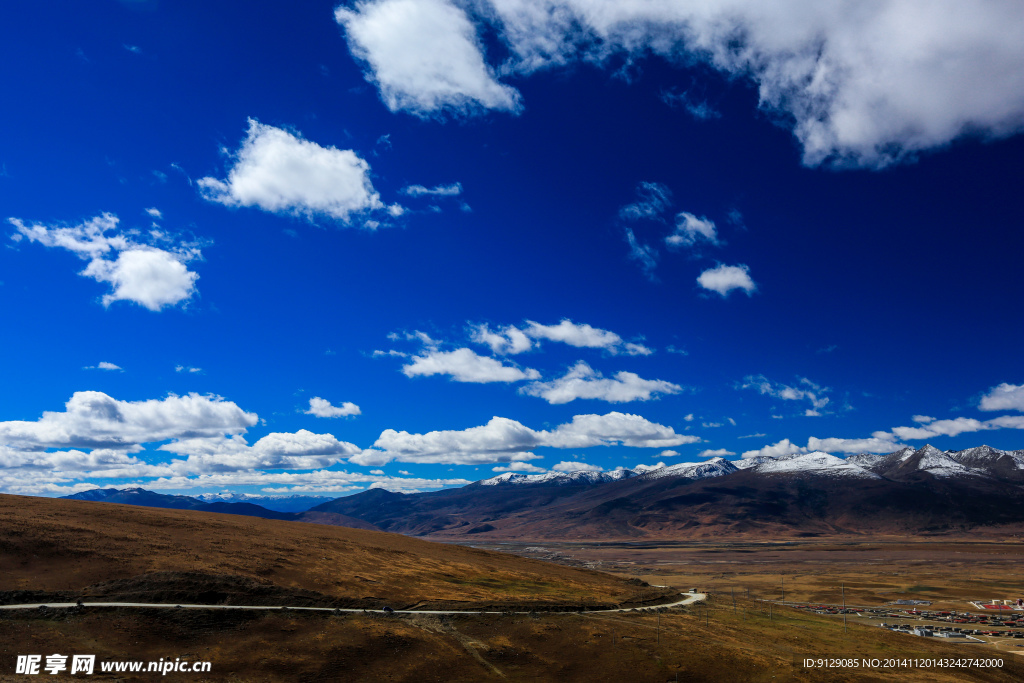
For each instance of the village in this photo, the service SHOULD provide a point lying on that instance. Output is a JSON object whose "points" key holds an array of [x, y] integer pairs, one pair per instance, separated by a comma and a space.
{"points": [[976, 627]]}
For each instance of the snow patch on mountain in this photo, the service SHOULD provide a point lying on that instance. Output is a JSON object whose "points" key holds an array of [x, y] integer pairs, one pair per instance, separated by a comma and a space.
{"points": [[556, 478], [715, 467], [815, 463], [940, 464]]}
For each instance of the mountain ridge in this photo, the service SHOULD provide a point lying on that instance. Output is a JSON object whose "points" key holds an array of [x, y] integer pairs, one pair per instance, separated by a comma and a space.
{"points": [[923, 490]]}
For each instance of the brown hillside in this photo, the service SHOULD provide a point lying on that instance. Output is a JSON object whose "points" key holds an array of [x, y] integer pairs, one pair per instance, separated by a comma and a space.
{"points": [[68, 546]]}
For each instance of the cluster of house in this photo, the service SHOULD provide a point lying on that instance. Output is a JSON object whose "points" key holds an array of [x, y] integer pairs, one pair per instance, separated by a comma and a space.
{"points": [[1007, 625], [1016, 605], [935, 631]]}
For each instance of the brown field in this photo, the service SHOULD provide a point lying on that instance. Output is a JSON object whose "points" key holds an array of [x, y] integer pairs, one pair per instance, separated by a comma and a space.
{"points": [[694, 645], [947, 572]]}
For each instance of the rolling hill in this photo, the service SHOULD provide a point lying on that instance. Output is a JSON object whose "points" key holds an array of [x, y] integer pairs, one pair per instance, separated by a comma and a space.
{"points": [[71, 548]]}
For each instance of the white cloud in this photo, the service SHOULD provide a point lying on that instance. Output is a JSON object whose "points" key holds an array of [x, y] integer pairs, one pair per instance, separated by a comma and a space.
{"points": [[150, 277], [452, 190], [582, 381], [575, 466], [321, 407], [723, 279], [280, 172], [154, 212], [614, 429], [690, 229], [98, 437], [943, 428], [923, 419], [880, 443], [92, 419], [465, 365], [861, 84], [518, 467], [141, 273], [808, 391], [302, 450], [509, 340], [103, 365], [1003, 397], [500, 440], [668, 454], [186, 368], [424, 57], [377, 472], [583, 336], [715, 453], [784, 447], [503, 440], [888, 442], [316, 481]]}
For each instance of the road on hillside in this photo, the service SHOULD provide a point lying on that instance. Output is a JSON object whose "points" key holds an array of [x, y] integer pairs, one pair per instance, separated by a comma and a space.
{"points": [[689, 599]]}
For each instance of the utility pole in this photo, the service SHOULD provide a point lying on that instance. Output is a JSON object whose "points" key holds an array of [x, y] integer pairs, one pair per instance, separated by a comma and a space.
{"points": [[843, 585]]}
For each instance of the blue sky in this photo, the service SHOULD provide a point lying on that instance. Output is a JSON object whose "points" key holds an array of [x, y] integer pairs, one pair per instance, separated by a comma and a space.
{"points": [[277, 247]]}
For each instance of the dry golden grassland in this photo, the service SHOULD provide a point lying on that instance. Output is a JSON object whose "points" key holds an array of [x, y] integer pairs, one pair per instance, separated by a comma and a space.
{"points": [[66, 545], [696, 645], [148, 555]]}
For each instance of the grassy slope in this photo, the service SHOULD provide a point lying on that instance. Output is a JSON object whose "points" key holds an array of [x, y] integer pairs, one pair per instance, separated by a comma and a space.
{"points": [[60, 545]]}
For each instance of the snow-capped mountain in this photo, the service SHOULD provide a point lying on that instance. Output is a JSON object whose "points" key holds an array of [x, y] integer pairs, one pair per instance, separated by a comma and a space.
{"points": [[715, 467], [982, 461], [907, 491], [910, 490], [815, 464], [554, 478]]}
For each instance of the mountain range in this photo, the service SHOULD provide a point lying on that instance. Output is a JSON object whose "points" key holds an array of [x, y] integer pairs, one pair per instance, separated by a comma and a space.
{"points": [[300, 505], [924, 490], [908, 491]]}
